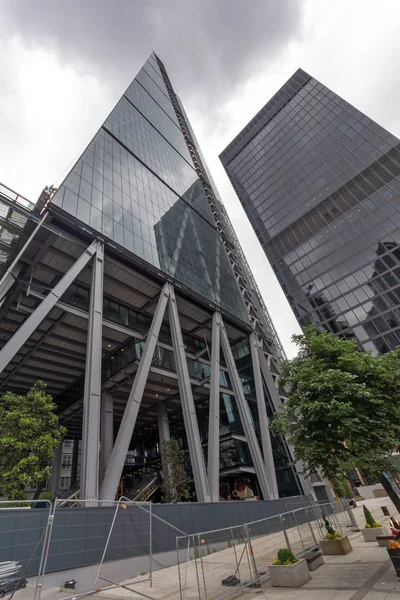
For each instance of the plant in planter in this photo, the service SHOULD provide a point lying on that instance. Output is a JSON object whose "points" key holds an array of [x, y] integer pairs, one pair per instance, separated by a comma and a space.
{"points": [[288, 571], [394, 553], [285, 557], [372, 528], [334, 542]]}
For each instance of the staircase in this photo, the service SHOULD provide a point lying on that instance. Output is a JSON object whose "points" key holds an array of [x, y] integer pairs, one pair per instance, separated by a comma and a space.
{"points": [[68, 497], [144, 488]]}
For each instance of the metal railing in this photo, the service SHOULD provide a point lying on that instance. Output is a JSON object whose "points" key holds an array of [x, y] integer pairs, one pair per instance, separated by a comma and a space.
{"points": [[15, 197], [221, 562]]}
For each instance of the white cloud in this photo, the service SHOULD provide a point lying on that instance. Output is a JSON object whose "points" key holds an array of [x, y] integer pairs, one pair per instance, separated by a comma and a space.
{"points": [[52, 104]]}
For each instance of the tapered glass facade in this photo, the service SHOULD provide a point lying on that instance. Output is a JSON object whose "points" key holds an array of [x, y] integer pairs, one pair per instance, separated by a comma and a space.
{"points": [[137, 186], [320, 183]]}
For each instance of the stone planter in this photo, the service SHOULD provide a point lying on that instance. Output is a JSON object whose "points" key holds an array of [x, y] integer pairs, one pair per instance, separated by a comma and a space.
{"points": [[289, 575], [372, 533], [394, 554], [338, 546], [383, 540]]}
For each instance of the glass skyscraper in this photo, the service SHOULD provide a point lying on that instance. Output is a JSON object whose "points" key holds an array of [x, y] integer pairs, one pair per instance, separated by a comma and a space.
{"points": [[320, 183], [137, 185], [142, 197]]}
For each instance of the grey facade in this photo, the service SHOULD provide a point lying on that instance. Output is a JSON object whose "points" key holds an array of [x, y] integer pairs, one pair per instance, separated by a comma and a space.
{"points": [[320, 183], [128, 293]]}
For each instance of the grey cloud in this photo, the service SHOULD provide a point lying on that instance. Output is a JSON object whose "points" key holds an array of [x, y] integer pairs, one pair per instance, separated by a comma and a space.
{"points": [[207, 45]]}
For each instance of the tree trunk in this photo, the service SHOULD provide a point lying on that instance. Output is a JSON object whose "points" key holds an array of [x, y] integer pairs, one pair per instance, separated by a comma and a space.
{"points": [[38, 490], [390, 492]]}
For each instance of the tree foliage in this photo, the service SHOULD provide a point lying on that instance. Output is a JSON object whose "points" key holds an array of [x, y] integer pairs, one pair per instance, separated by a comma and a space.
{"points": [[176, 482], [29, 434], [343, 408]]}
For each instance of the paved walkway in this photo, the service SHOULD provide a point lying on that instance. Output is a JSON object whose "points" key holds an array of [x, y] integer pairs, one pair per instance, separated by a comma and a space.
{"points": [[364, 574]]}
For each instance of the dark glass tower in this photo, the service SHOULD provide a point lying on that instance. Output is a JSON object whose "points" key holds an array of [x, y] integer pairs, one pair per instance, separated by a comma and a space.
{"points": [[143, 187], [137, 185], [320, 183]]}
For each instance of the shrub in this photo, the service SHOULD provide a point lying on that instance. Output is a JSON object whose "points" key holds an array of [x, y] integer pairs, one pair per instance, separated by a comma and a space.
{"points": [[331, 534], [370, 522], [285, 557]]}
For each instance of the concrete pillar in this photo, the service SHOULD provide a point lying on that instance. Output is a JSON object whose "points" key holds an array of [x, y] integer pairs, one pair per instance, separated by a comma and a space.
{"points": [[106, 431]]}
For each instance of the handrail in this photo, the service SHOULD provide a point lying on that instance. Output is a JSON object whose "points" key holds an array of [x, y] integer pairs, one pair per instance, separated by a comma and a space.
{"points": [[15, 197]]}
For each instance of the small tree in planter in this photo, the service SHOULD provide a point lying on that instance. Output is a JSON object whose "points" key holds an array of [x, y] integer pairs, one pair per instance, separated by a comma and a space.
{"points": [[288, 571], [394, 553], [334, 542], [372, 528]]}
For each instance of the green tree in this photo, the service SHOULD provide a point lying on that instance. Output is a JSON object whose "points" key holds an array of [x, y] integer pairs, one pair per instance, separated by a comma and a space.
{"points": [[342, 486], [29, 434], [343, 409], [176, 481]]}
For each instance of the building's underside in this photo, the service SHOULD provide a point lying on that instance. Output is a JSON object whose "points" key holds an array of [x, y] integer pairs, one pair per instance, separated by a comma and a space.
{"points": [[56, 351]]}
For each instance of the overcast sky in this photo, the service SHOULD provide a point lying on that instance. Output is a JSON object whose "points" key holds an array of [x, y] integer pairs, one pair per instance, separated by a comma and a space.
{"points": [[63, 66]]}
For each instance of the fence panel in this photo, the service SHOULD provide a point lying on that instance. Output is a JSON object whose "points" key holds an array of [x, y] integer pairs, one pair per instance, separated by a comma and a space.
{"points": [[24, 530]]}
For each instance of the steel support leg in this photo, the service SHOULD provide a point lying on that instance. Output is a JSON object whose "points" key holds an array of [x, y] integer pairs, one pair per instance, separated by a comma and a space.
{"points": [[163, 433], [263, 417], [117, 459], [269, 380], [245, 416], [54, 480], [277, 403], [214, 414], [19, 338], [13, 270], [187, 402], [92, 390], [106, 431]]}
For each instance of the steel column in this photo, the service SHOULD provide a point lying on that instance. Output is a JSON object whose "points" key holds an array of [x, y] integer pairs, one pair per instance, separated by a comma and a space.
{"points": [[106, 430], [245, 416], [19, 338], [117, 459], [276, 401], [163, 433], [269, 380], [263, 417], [187, 403], [92, 390], [13, 270], [214, 411], [54, 480]]}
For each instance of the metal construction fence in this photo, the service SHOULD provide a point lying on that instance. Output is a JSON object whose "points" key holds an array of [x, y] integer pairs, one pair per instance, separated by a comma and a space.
{"points": [[125, 544], [221, 562], [19, 560]]}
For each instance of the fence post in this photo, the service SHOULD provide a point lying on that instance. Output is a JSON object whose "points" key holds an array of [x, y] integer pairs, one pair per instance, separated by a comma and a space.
{"points": [[234, 549], [284, 531], [298, 528], [179, 566], [45, 551], [311, 527], [253, 560], [151, 545], [353, 520], [201, 562], [39, 578]]}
